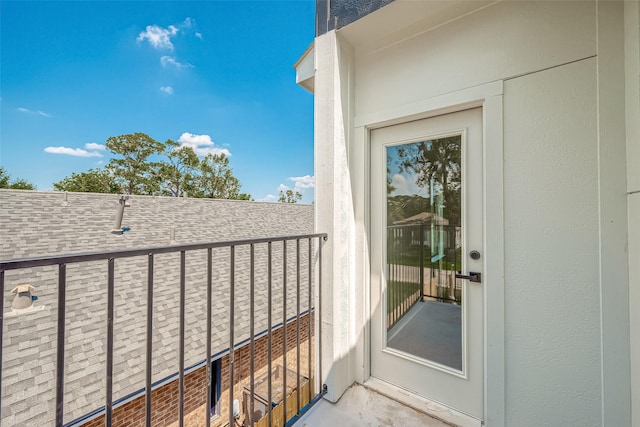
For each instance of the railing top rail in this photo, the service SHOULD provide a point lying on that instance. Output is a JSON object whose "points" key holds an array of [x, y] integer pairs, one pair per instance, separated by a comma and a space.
{"points": [[15, 264], [416, 224]]}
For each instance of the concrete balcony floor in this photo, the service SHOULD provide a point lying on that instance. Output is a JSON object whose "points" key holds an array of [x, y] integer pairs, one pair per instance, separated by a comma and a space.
{"points": [[430, 330], [360, 406]]}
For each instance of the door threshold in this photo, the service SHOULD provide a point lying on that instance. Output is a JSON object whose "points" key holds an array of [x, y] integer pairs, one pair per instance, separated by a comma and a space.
{"points": [[422, 404]]}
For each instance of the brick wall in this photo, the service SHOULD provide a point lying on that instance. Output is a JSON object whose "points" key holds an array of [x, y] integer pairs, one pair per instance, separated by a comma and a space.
{"points": [[165, 399]]}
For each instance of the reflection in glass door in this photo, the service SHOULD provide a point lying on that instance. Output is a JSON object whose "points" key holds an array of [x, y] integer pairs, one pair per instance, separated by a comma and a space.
{"points": [[424, 301]]}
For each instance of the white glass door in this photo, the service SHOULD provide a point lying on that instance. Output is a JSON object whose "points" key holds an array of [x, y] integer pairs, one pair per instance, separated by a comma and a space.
{"points": [[426, 240]]}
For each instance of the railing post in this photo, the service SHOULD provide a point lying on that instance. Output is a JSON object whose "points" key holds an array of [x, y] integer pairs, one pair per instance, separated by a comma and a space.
{"points": [[148, 377], [284, 330], [298, 326], [320, 378], [390, 277], [1, 335], [252, 353], [231, 329], [270, 331], [181, 350], [207, 410], [393, 279], [309, 304], [110, 315], [62, 285], [421, 262]]}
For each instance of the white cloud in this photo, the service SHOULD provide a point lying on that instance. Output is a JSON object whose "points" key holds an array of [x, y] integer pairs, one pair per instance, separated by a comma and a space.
{"points": [[189, 25], [399, 183], [94, 146], [158, 37], [270, 198], [78, 152], [38, 112], [303, 182], [167, 89], [405, 185], [170, 60], [201, 144]]}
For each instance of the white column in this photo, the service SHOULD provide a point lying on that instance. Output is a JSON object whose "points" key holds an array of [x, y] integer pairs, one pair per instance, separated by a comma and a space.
{"points": [[334, 214]]}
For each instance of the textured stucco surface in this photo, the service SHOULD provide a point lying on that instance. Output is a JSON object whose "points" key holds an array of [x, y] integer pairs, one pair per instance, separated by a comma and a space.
{"points": [[552, 321], [505, 40], [40, 223]]}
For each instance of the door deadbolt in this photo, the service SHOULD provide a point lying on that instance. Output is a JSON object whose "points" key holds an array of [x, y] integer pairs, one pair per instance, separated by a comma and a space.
{"points": [[474, 255]]}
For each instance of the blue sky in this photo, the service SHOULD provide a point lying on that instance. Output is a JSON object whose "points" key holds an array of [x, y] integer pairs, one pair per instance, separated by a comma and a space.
{"points": [[403, 181], [217, 75]]}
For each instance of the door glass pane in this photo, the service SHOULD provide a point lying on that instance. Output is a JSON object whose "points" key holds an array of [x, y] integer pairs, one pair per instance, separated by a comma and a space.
{"points": [[424, 248]]}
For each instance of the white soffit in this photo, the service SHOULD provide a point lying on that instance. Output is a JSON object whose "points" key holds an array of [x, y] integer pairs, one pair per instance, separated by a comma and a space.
{"points": [[406, 18], [306, 69]]}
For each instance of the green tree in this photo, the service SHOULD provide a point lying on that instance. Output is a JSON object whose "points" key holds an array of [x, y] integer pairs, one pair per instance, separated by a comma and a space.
{"points": [[4, 178], [91, 181], [22, 184], [16, 184], [216, 180], [180, 173], [244, 196], [437, 161], [390, 187], [289, 196], [142, 165], [131, 168], [404, 206]]}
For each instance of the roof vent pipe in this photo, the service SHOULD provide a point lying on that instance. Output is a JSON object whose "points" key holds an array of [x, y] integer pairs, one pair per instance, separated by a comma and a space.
{"points": [[24, 298], [122, 203]]}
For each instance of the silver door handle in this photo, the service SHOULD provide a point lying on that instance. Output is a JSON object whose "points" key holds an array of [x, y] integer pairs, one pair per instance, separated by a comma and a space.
{"points": [[472, 276]]}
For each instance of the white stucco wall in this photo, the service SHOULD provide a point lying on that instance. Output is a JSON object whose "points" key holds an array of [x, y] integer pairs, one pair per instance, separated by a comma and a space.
{"points": [[502, 41], [552, 292], [566, 319], [336, 216]]}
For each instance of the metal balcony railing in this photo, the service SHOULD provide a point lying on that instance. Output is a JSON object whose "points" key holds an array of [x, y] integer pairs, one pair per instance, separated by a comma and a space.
{"points": [[309, 259], [422, 260]]}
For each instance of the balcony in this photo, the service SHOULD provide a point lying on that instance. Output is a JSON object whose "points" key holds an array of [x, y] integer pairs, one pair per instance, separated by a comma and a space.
{"points": [[246, 326]]}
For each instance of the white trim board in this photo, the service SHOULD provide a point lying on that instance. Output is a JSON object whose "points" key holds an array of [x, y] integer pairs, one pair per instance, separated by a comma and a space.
{"points": [[438, 105]]}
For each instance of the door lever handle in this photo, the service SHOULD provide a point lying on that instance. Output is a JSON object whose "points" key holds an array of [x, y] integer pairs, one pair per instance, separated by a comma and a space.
{"points": [[472, 276]]}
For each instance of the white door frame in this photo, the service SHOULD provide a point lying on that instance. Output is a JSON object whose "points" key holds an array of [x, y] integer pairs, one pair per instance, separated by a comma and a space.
{"points": [[489, 97]]}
